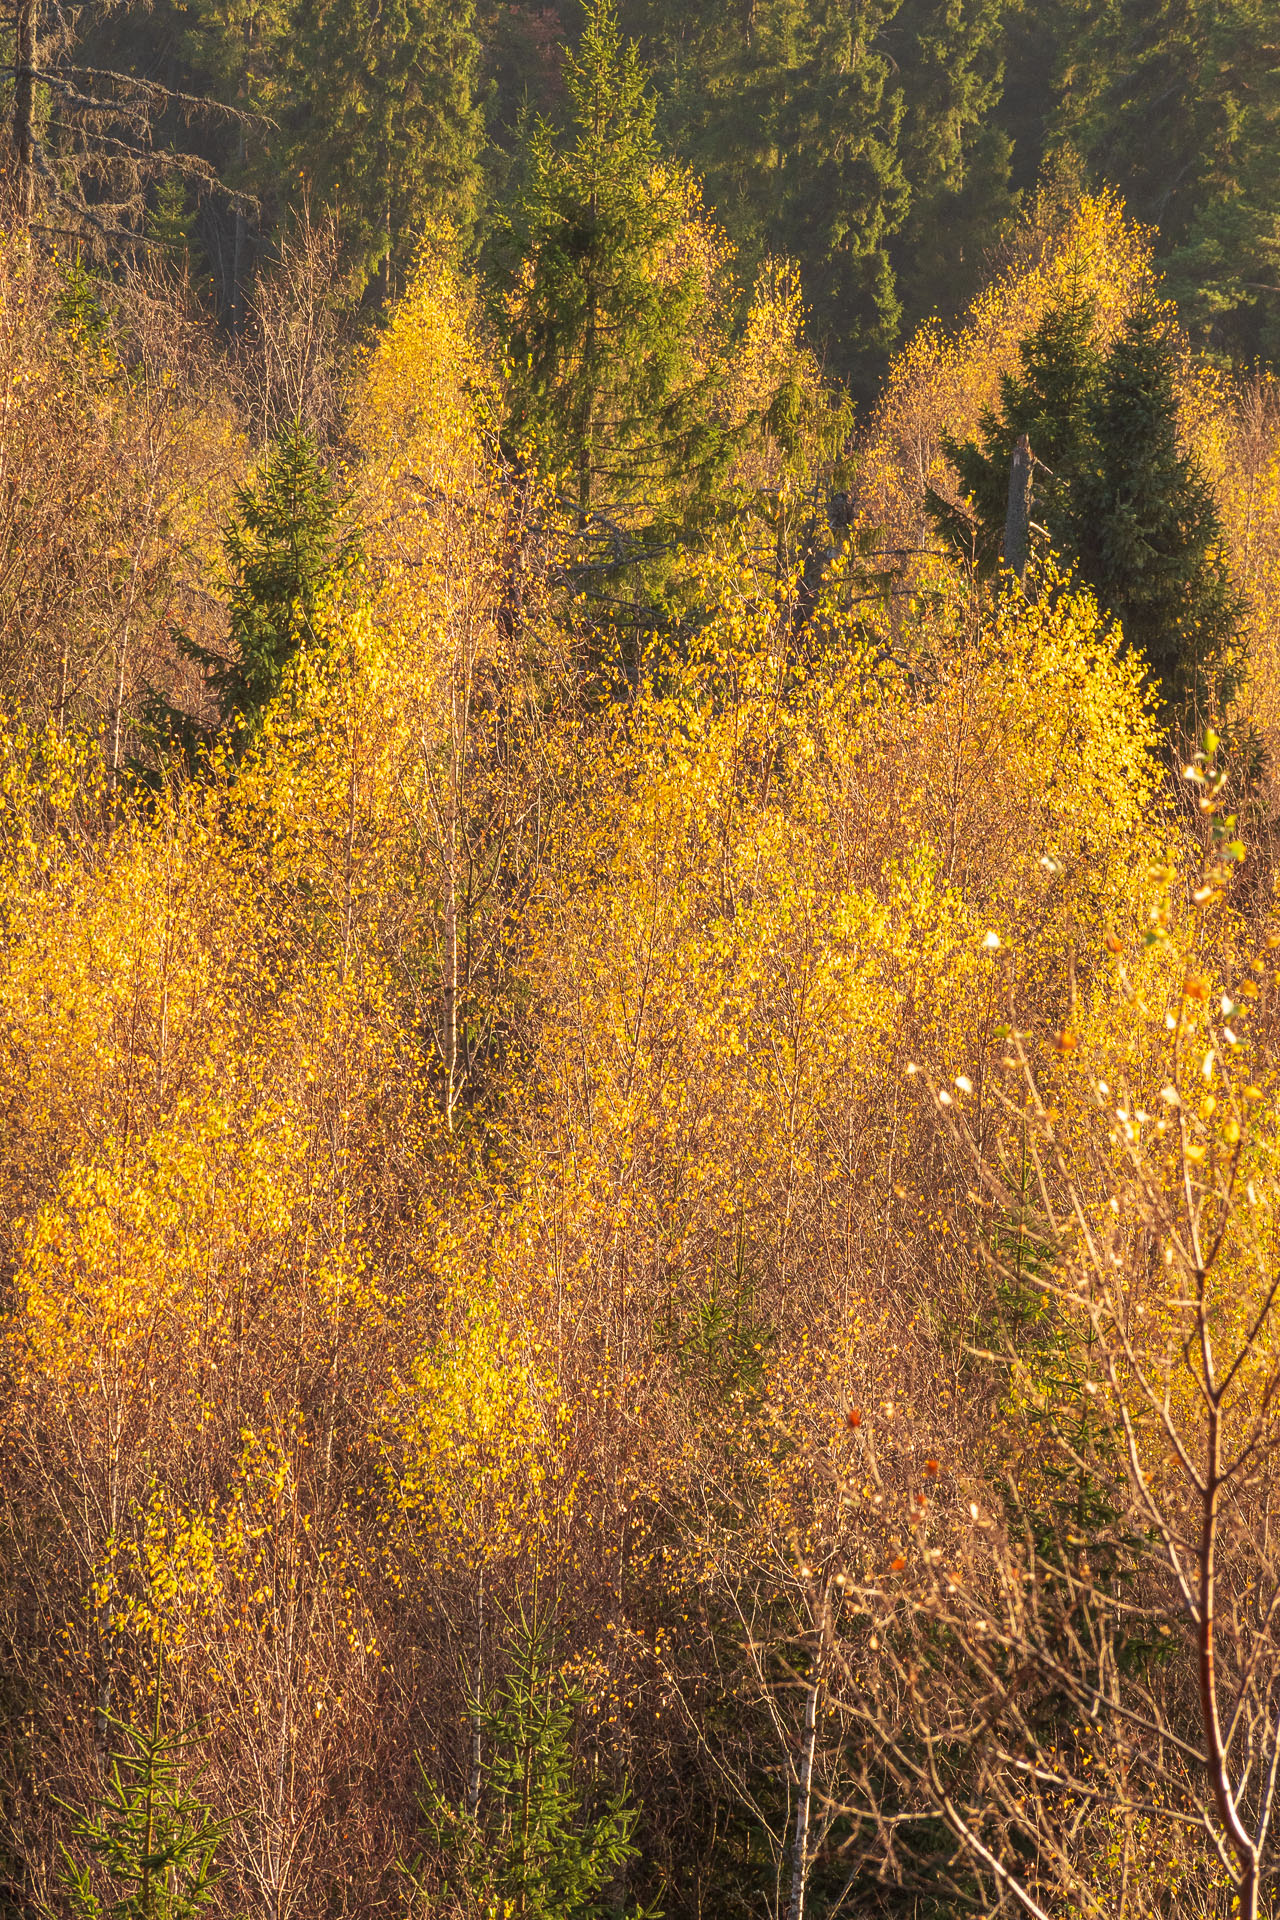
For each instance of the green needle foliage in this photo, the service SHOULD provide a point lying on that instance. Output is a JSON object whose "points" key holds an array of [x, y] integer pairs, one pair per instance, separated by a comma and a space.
{"points": [[1116, 495], [841, 192], [1178, 103], [382, 123], [1050, 399], [956, 157], [169, 222], [857, 140], [603, 317], [150, 1843], [1150, 536], [81, 314], [533, 1850], [283, 549]]}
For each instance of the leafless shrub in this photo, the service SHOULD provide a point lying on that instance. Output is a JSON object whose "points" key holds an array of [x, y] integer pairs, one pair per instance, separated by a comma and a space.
{"points": [[296, 347]]}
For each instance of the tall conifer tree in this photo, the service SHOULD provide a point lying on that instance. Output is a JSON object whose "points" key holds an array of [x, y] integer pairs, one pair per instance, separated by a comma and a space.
{"points": [[790, 113], [534, 1848], [1147, 525], [1051, 399], [604, 312], [840, 189], [948, 60], [1177, 103], [1115, 493], [283, 550], [382, 121]]}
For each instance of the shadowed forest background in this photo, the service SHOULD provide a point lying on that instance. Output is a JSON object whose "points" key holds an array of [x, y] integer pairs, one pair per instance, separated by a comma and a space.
{"points": [[883, 148], [639, 1043]]}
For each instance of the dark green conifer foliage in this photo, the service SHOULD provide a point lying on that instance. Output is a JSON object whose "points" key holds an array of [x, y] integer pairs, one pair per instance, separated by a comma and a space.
{"points": [[856, 139], [81, 312], [382, 122], [1050, 399], [841, 191], [789, 111], [1177, 102], [948, 58], [1148, 529], [609, 392], [533, 1849], [151, 1841], [283, 549], [169, 222], [1116, 495]]}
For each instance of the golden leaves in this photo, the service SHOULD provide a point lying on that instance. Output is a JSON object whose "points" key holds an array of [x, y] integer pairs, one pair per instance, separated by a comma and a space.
{"points": [[941, 382], [472, 1438]]}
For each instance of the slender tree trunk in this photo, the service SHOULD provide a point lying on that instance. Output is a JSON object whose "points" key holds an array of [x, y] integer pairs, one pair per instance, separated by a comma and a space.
{"points": [[808, 1754], [102, 1605], [102, 1701], [388, 286], [451, 981], [525, 1796], [239, 246], [473, 1781], [586, 449], [1242, 1842], [117, 725], [24, 95]]}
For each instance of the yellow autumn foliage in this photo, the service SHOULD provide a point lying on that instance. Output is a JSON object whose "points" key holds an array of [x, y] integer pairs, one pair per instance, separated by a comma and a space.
{"points": [[486, 1147], [784, 896], [942, 383], [473, 1437]]}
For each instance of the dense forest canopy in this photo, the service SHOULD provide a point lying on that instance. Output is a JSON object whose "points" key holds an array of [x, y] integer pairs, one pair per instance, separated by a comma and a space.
{"points": [[639, 1023], [883, 147]]}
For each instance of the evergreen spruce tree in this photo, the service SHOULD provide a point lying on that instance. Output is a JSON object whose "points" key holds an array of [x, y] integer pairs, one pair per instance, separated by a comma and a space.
{"points": [[1116, 495], [381, 121], [791, 114], [150, 1844], [856, 139], [81, 312], [1177, 103], [238, 51], [1051, 399], [948, 58], [604, 320], [283, 549], [841, 190], [1147, 526], [169, 223], [533, 1849]]}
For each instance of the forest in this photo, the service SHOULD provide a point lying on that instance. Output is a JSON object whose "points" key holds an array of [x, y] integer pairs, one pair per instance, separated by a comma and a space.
{"points": [[640, 960]]}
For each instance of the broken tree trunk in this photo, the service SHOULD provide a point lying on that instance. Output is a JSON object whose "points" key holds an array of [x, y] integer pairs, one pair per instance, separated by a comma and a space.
{"points": [[1017, 521]]}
